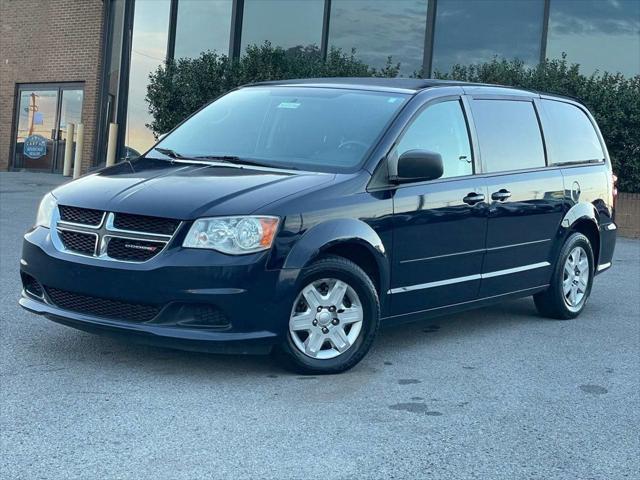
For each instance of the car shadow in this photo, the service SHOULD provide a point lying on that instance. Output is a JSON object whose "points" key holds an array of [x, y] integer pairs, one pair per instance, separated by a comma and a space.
{"points": [[510, 314]]}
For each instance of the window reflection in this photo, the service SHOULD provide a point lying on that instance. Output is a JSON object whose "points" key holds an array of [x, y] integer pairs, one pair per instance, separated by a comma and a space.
{"points": [[468, 32], [508, 135], [284, 23], [379, 29], [202, 25], [597, 34], [441, 128], [148, 51], [116, 30], [112, 78], [569, 134]]}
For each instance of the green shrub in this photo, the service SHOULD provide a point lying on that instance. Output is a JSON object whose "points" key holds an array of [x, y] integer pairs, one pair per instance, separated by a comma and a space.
{"points": [[180, 87], [613, 99]]}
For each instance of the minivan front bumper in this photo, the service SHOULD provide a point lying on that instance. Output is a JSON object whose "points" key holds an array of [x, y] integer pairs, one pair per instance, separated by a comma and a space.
{"points": [[183, 298]]}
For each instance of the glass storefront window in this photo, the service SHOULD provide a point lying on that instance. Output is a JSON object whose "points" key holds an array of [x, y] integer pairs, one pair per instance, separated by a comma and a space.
{"points": [[475, 32], [598, 35], [36, 129], [284, 23], [44, 115], [379, 29], [148, 51], [201, 26], [116, 30]]}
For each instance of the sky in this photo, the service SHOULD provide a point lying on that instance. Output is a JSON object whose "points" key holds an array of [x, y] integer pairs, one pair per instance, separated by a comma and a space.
{"points": [[601, 35]]}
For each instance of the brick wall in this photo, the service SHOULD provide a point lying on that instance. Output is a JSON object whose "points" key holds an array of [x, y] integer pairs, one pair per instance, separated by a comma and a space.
{"points": [[628, 214], [50, 41]]}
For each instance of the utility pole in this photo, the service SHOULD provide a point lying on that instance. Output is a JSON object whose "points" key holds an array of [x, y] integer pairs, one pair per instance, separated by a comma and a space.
{"points": [[32, 109]]}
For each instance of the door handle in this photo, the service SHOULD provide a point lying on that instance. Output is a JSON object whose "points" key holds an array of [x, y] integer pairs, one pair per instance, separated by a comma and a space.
{"points": [[473, 198], [501, 195]]}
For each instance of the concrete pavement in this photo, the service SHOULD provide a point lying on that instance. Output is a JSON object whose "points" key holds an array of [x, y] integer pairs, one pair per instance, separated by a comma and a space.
{"points": [[496, 393]]}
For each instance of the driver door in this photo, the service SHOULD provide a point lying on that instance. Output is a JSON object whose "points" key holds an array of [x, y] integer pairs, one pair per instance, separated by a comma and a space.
{"points": [[439, 226]]}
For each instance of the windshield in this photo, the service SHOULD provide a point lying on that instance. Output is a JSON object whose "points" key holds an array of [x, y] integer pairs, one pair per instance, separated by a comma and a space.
{"points": [[321, 129]]}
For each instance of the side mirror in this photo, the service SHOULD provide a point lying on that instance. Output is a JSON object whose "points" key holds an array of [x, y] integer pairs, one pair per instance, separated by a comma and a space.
{"points": [[418, 165]]}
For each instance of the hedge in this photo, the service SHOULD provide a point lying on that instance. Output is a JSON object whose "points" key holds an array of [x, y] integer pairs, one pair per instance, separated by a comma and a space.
{"points": [[180, 87]]}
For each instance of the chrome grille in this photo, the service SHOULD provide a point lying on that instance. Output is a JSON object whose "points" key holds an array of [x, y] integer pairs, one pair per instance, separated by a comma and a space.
{"points": [[142, 223], [120, 237], [82, 216], [79, 242]]}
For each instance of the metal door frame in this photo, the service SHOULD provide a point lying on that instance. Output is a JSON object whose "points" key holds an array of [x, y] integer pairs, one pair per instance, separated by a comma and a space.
{"points": [[60, 87]]}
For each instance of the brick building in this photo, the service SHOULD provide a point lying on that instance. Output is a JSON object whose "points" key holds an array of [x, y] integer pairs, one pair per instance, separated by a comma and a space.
{"points": [[70, 61], [53, 48]]}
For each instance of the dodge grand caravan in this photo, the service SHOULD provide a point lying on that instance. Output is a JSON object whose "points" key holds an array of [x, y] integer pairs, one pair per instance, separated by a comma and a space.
{"points": [[299, 216]]}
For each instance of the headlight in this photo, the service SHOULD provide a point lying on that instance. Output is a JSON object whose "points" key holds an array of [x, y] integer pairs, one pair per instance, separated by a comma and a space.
{"points": [[233, 235], [45, 210]]}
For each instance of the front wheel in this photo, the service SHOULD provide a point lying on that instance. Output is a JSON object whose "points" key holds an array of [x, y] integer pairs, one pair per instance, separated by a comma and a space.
{"points": [[571, 280], [334, 318]]}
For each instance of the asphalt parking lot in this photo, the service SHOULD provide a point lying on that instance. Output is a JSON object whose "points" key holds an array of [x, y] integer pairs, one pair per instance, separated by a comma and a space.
{"points": [[496, 393]]}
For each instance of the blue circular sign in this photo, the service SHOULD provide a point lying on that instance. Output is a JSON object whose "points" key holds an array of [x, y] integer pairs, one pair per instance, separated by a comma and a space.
{"points": [[35, 146]]}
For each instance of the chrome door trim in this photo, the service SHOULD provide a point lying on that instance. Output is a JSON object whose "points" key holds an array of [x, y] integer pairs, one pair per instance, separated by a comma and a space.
{"points": [[468, 278], [467, 252], [518, 244], [509, 271], [439, 283]]}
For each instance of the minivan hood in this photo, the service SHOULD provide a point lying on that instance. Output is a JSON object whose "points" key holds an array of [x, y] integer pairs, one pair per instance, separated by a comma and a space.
{"points": [[184, 191]]}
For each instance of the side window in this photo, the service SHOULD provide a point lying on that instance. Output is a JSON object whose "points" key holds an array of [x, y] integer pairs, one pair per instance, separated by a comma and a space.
{"points": [[441, 128], [570, 135], [508, 134]]}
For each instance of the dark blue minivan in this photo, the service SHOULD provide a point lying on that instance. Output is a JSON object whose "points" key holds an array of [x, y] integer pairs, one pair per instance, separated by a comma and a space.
{"points": [[299, 216]]}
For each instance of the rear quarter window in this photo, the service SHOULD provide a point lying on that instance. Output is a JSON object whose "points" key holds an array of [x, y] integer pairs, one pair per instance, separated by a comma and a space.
{"points": [[508, 135], [570, 135]]}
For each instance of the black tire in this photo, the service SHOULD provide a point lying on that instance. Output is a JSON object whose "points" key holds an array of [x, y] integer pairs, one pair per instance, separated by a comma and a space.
{"points": [[552, 302], [345, 270]]}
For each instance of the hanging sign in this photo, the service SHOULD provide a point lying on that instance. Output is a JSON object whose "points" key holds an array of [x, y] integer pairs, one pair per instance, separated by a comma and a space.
{"points": [[35, 146]]}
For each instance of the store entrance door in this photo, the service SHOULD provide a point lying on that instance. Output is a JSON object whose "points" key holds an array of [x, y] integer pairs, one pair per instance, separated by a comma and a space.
{"points": [[42, 116]]}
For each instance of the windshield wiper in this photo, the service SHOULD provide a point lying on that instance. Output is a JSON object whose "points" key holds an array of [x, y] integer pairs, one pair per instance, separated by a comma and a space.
{"points": [[232, 159], [171, 153], [217, 158]]}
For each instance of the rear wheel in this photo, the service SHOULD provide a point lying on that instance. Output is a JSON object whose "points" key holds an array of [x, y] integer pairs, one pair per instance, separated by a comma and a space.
{"points": [[334, 318], [571, 281]]}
